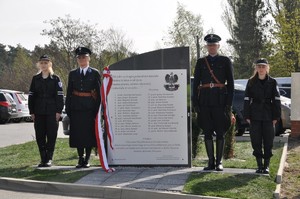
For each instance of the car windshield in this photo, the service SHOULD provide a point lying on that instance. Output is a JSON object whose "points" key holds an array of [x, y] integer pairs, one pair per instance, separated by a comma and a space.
{"points": [[21, 96]]}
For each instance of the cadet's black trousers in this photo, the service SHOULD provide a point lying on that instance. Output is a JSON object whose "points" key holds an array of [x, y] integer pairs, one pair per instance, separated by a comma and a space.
{"points": [[212, 119], [262, 136], [46, 128]]}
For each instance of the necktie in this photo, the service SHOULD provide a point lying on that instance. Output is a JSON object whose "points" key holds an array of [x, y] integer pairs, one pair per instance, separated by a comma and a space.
{"points": [[82, 73]]}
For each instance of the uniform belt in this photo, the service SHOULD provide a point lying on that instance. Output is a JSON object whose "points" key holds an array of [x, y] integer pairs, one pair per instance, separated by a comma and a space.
{"points": [[82, 94], [212, 85]]}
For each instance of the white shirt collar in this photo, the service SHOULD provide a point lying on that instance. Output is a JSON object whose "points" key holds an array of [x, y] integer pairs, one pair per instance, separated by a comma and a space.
{"points": [[84, 69]]}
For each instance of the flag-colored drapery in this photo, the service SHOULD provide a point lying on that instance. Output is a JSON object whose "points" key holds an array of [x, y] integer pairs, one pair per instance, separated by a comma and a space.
{"points": [[107, 127]]}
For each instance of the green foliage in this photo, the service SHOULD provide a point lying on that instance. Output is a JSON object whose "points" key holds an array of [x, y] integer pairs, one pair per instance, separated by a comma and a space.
{"points": [[245, 20], [196, 139], [18, 65], [184, 31], [286, 36], [229, 142]]}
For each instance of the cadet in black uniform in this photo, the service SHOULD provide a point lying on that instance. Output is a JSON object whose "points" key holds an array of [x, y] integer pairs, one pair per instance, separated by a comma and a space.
{"points": [[213, 93], [45, 106], [262, 110], [82, 105]]}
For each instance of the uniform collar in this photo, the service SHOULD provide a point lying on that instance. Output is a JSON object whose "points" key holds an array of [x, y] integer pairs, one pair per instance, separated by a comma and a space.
{"points": [[40, 76], [85, 70]]}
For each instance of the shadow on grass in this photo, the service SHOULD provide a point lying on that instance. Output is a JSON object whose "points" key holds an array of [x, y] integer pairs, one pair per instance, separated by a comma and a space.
{"points": [[229, 185], [31, 173]]}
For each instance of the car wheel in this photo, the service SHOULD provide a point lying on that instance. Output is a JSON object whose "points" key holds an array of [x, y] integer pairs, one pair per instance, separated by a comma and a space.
{"points": [[16, 120], [28, 119]]}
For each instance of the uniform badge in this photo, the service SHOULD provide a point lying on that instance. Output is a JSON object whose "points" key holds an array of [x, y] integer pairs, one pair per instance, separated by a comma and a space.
{"points": [[60, 84]]}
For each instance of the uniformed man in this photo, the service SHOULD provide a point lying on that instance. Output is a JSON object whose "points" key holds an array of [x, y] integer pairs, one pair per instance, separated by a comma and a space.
{"points": [[45, 106], [82, 105], [262, 110], [213, 94]]}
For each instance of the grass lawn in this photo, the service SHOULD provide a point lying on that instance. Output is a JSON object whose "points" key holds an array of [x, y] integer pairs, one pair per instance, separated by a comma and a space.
{"points": [[19, 161], [235, 185]]}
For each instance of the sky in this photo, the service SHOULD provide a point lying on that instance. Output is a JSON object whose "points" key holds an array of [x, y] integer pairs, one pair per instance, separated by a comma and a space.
{"points": [[145, 22]]}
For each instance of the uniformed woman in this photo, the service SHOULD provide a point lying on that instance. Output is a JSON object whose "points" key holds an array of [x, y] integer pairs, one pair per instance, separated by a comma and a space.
{"points": [[262, 111], [45, 106], [82, 105]]}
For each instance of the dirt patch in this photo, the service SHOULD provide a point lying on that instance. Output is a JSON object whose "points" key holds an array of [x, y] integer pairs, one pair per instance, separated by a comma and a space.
{"points": [[291, 175]]}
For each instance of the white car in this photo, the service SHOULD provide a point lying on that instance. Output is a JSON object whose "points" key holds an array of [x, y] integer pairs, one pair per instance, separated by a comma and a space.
{"points": [[21, 104]]}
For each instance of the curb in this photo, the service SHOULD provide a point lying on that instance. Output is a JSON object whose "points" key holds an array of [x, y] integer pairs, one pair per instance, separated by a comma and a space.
{"points": [[278, 180], [92, 191]]}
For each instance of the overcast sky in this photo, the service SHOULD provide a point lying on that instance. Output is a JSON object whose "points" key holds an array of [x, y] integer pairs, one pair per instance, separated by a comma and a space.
{"points": [[145, 22]]}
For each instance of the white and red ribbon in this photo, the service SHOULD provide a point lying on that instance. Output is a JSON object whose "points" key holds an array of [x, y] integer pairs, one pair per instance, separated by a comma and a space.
{"points": [[104, 91]]}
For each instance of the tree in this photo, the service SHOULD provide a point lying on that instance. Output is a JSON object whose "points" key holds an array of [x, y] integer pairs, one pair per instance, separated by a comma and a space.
{"points": [[184, 31], [18, 76], [68, 34], [245, 20], [286, 36]]}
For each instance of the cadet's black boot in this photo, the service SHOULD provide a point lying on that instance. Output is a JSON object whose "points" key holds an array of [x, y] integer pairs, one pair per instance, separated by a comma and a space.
{"points": [[80, 162], [49, 158], [266, 166], [80, 152], [259, 165], [209, 145], [219, 154], [43, 158], [87, 157]]}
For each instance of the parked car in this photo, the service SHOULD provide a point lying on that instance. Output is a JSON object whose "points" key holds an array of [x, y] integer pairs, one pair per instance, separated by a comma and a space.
{"points": [[238, 108], [284, 84], [21, 102], [7, 108], [29, 118]]}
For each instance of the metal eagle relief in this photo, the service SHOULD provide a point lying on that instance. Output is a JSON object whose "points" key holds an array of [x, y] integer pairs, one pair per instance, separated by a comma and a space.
{"points": [[171, 79]]}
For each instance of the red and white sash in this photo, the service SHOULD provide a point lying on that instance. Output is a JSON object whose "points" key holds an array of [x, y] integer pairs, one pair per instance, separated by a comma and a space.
{"points": [[104, 91]]}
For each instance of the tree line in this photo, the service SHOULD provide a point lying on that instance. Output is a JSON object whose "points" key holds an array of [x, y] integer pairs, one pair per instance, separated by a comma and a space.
{"points": [[258, 28]]}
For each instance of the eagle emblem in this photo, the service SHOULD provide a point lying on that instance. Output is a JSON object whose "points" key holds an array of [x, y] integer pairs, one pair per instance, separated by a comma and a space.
{"points": [[171, 79]]}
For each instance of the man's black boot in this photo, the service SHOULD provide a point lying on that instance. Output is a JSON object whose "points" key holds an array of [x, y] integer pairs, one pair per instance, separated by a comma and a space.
{"points": [[219, 154], [209, 145]]}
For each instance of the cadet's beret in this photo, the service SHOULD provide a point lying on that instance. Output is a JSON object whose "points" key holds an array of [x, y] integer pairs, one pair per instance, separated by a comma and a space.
{"points": [[82, 51], [262, 61], [44, 58], [212, 38]]}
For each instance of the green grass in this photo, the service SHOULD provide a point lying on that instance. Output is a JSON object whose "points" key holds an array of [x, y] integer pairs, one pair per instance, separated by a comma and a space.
{"points": [[235, 185], [20, 161]]}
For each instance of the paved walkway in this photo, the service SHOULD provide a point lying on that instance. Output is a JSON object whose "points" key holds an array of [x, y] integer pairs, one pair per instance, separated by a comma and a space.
{"points": [[155, 178]]}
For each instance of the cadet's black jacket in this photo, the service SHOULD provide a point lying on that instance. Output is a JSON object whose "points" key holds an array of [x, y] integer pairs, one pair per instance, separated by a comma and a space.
{"points": [[45, 95], [222, 69], [90, 82], [262, 101]]}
